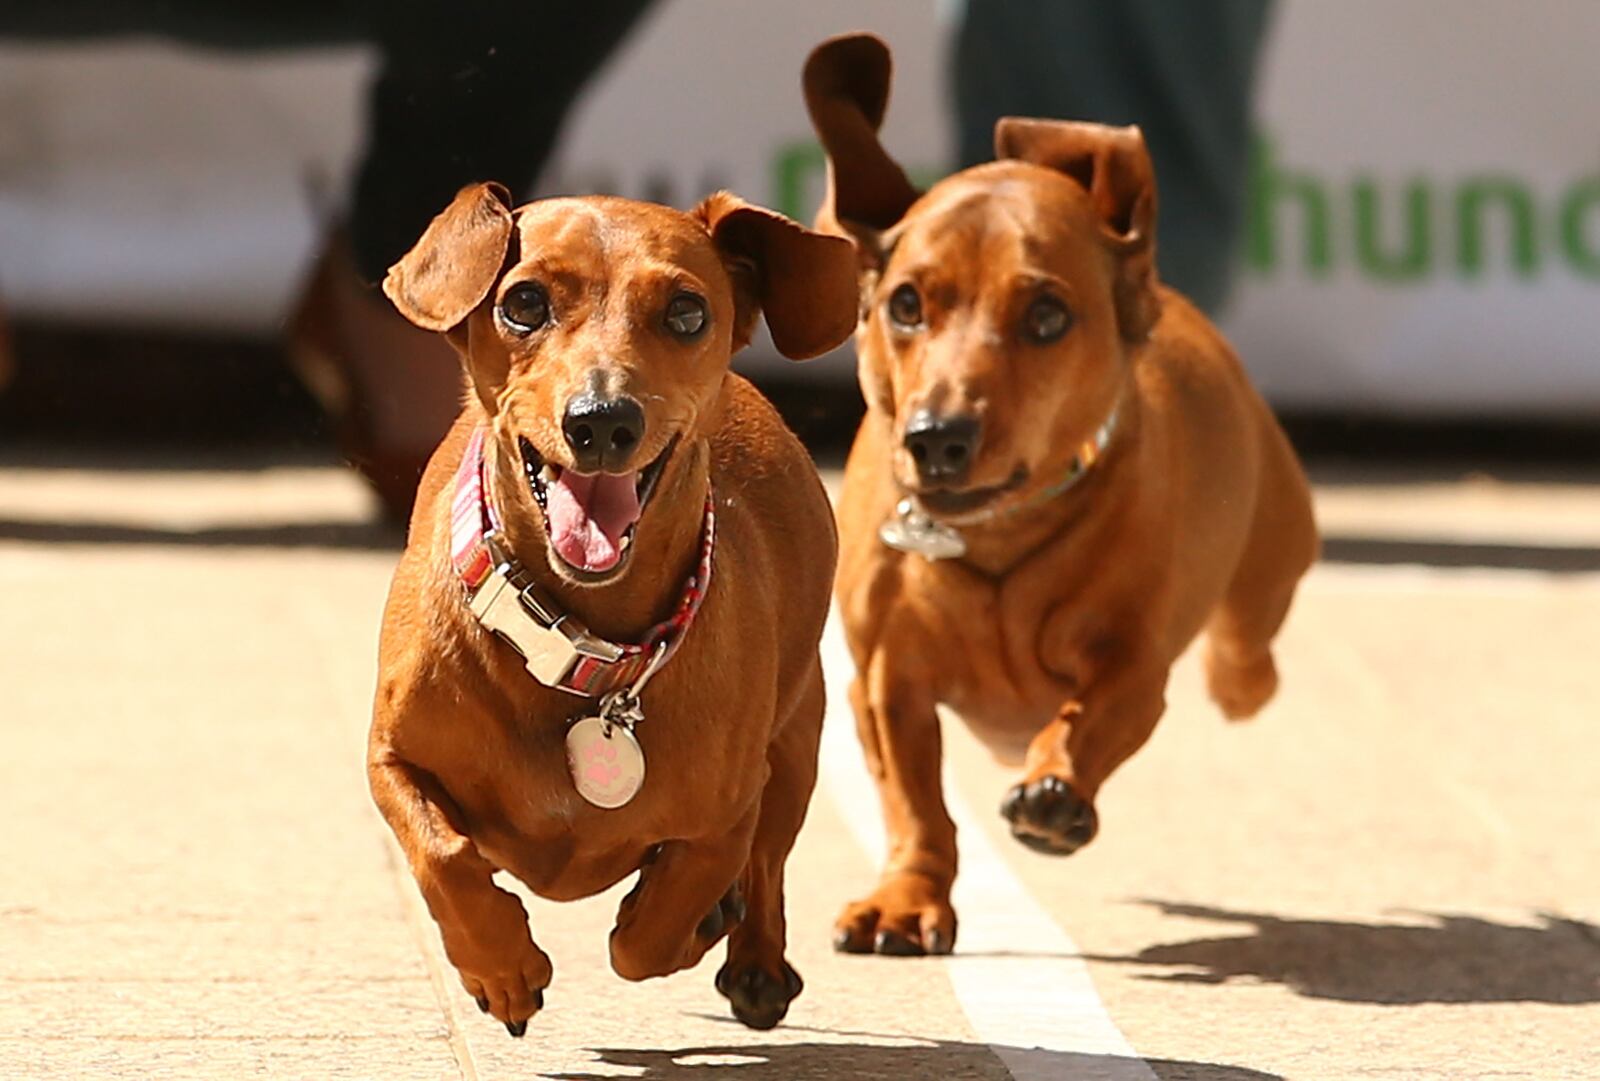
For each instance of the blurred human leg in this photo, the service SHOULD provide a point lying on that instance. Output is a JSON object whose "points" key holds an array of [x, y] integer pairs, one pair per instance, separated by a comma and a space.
{"points": [[1183, 70], [474, 90], [7, 364], [464, 92]]}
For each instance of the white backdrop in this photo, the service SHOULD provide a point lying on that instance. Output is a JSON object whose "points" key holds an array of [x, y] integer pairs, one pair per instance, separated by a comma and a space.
{"points": [[1424, 234], [1411, 112], [144, 183]]}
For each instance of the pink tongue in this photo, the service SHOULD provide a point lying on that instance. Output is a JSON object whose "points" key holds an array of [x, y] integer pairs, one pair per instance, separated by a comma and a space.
{"points": [[589, 514]]}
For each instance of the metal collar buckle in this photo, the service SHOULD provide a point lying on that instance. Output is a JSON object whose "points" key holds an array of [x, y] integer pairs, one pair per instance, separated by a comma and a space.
{"points": [[550, 644]]}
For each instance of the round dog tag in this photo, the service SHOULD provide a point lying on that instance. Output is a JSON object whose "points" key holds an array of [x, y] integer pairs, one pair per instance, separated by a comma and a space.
{"points": [[606, 761], [912, 531]]}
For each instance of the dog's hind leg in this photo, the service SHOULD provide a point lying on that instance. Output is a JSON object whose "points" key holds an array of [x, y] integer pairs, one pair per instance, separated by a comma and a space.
{"points": [[1241, 674], [756, 979]]}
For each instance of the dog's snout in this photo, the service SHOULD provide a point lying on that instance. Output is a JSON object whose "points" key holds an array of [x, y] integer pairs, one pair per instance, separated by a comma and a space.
{"points": [[942, 445], [603, 432]]}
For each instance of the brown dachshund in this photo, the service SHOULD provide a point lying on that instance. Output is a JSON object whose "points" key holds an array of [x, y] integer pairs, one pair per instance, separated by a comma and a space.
{"points": [[1063, 476], [599, 654]]}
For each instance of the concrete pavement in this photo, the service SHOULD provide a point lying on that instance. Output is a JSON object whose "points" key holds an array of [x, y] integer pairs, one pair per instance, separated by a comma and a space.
{"points": [[1395, 871]]}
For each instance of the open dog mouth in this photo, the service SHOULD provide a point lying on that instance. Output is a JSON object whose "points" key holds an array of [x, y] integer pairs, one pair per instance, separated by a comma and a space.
{"points": [[950, 503], [591, 517]]}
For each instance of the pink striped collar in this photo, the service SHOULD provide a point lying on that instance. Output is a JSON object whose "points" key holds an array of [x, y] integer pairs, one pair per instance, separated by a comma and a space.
{"points": [[556, 647]]}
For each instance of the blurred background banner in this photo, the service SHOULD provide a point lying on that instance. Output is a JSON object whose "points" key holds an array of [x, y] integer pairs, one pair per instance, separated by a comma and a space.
{"points": [[146, 183], [1422, 238], [1424, 228]]}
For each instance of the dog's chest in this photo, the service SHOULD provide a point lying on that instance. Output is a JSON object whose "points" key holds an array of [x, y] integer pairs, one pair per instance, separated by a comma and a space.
{"points": [[702, 764], [1008, 651]]}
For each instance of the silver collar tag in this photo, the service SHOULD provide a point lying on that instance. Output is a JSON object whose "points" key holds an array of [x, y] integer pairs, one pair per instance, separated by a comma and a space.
{"points": [[912, 531], [604, 755]]}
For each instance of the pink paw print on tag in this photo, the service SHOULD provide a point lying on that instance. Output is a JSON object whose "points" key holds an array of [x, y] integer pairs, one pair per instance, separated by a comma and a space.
{"points": [[600, 768]]}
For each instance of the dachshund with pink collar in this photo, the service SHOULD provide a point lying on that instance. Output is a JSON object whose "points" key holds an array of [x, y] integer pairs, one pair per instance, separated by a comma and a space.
{"points": [[599, 656]]}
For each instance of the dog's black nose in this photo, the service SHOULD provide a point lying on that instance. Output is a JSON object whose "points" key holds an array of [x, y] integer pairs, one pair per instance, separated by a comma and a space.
{"points": [[942, 446], [602, 432]]}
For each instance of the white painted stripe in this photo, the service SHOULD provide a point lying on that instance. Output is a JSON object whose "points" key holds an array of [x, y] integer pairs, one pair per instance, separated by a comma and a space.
{"points": [[1016, 973]]}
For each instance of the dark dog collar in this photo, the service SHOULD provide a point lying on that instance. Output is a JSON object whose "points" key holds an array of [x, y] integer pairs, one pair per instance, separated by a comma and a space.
{"points": [[913, 530], [557, 648]]}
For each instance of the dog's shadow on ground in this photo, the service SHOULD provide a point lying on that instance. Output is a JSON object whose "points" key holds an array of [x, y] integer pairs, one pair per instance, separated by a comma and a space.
{"points": [[1427, 958], [887, 1062]]}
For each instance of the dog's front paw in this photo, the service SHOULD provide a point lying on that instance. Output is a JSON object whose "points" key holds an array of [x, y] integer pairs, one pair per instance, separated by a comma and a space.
{"points": [[908, 915], [500, 965], [759, 998], [512, 995], [1049, 816]]}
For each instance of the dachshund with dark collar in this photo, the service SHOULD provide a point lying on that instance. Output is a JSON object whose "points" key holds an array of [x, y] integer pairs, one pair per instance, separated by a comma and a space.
{"points": [[1064, 476]]}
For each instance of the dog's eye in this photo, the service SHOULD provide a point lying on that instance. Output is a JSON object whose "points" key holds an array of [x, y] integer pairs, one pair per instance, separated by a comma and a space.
{"points": [[525, 307], [905, 307], [686, 315], [1046, 320]]}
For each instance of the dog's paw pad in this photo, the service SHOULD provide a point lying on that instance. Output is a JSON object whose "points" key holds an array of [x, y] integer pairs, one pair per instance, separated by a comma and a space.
{"points": [[894, 944], [759, 998], [1049, 816]]}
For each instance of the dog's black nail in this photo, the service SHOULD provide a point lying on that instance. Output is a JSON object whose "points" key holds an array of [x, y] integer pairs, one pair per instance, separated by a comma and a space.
{"points": [[1012, 804], [846, 941], [538, 999], [1085, 825], [483, 1005], [939, 942], [517, 1028], [893, 944]]}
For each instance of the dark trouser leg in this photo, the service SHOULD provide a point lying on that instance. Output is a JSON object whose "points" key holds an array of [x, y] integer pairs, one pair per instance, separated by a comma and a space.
{"points": [[1183, 70], [468, 91]]}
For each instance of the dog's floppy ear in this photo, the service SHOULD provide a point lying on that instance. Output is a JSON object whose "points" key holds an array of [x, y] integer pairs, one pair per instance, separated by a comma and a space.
{"points": [[846, 82], [805, 282], [449, 271], [1113, 166]]}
